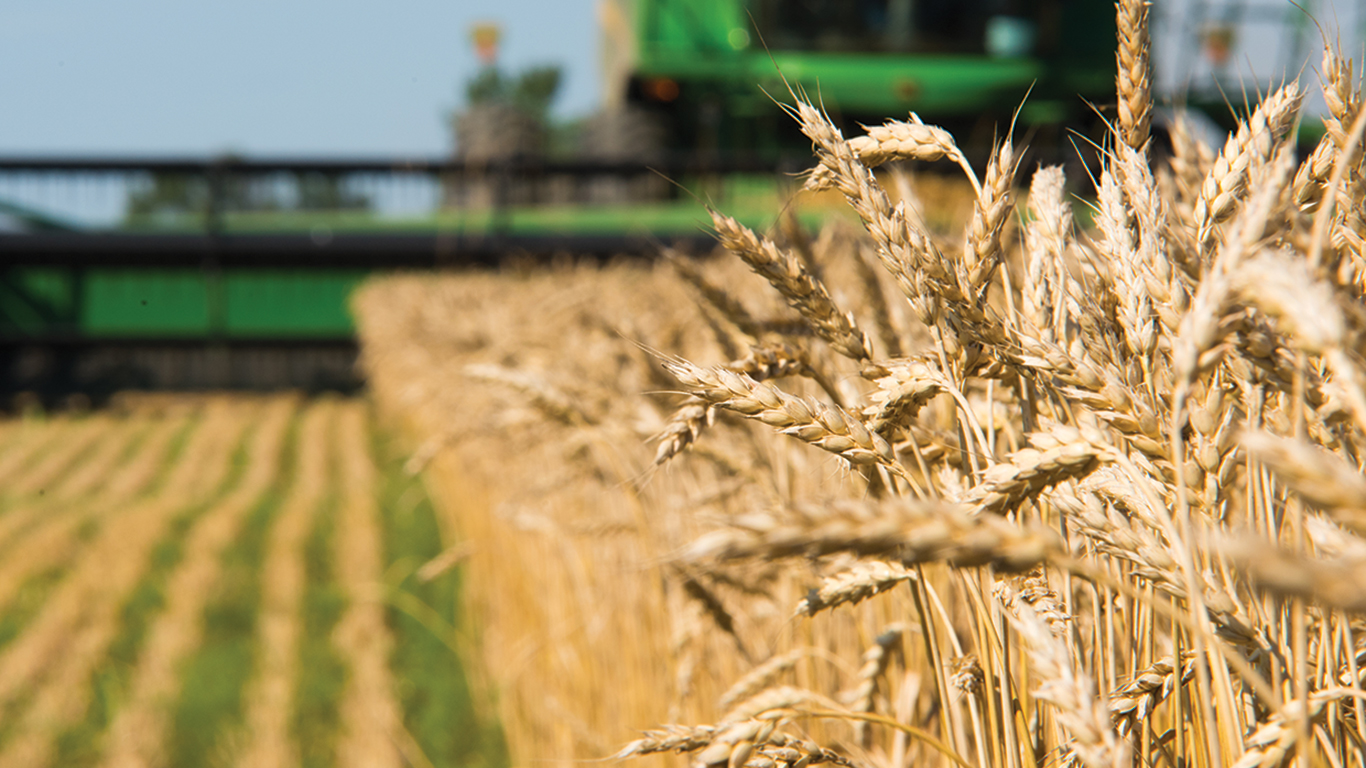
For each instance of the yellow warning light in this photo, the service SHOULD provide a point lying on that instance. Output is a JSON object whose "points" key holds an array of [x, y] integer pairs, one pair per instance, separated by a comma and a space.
{"points": [[485, 37]]}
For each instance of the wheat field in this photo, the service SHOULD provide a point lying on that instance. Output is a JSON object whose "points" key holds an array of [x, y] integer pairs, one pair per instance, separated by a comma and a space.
{"points": [[216, 580], [1022, 494]]}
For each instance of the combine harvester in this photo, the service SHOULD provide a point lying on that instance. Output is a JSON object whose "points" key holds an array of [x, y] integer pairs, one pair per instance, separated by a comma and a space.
{"points": [[234, 272], [701, 66]]}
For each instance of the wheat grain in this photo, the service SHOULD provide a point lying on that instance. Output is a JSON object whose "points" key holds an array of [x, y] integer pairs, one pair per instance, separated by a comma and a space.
{"points": [[896, 140], [860, 582], [983, 254], [825, 426], [1034, 590], [801, 289], [673, 738], [1059, 454], [684, 427], [875, 662], [1134, 701], [759, 678], [1108, 434], [1133, 80], [906, 388], [1253, 143], [914, 531]]}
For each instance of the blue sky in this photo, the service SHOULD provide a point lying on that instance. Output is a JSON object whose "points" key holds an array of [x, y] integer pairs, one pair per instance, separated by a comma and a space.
{"points": [[265, 77]]}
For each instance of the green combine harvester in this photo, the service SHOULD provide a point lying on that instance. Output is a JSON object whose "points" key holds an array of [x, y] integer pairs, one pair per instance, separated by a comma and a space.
{"points": [[713, 69], [224, 291]]}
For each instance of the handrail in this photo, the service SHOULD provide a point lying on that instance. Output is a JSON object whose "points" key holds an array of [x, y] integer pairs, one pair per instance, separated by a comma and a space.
{"points": [[665, 163]]}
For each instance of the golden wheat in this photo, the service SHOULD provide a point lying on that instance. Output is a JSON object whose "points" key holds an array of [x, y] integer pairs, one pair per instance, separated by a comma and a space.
{"points": [[1064, 463]]}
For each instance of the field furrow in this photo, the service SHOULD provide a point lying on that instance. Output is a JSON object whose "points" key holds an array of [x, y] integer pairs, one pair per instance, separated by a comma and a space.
{"points": [[105, 461], [138, 731], [224, 580], [271, 696], [30, 443], [30, 518], [82, 611], [55, 530], [38, 479], [152, 459], [316, 721], [369, 711]]}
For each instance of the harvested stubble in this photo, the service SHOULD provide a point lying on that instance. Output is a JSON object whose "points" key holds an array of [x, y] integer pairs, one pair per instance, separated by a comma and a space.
{"points": [[1158, 423], [137, 734], [270, 698], [372, 731], [46, 665], [154, 596], [55, 532], [32, 440]]}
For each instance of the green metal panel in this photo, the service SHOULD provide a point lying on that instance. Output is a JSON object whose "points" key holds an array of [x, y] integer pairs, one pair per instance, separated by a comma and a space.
{"points": [[171, 303], [246, 304], [38, 300], [894, 85], [296, 303], [889, 85], [689, 26]]}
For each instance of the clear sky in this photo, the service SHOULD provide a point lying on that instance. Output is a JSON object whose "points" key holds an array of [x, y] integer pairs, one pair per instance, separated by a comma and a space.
{"points": [[266, 77]]}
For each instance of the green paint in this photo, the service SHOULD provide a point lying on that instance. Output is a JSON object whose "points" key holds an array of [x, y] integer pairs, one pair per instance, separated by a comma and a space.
{"points": [[168, 302], [262, 304]]}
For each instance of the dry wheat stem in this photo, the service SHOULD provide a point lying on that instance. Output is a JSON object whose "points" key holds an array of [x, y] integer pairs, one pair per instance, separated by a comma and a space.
{"points": [[1072, 693]]}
